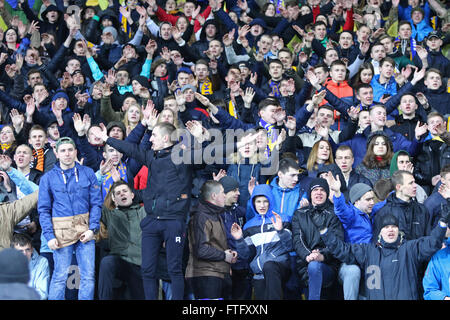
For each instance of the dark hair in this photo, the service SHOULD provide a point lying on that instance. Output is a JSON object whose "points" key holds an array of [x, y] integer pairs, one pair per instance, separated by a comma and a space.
{"points": [[323, 66], [356, 81], [108, 202], [382, 188], [387, 59], [370, 159], [286, 164], [20, 239], [268, 102], [318, 23], [445, 170], [363, 86], [402, 22], [37, 127]]}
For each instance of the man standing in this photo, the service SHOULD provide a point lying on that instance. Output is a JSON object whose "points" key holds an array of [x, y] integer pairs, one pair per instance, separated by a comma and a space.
{"points": [[167, 203], [209, 258], [69, 208]]}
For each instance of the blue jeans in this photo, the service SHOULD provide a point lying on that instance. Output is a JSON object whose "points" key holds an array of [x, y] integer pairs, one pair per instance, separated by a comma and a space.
{"points": [[85, 253], [321, 276], [350, 275]]}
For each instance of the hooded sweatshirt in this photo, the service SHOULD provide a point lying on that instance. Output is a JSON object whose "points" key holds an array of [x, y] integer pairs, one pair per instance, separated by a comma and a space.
{"points": [[260, 236]]}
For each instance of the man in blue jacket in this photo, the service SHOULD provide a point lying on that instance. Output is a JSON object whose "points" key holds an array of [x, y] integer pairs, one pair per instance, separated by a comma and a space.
{"points": [[69, 208], [356, 220]]}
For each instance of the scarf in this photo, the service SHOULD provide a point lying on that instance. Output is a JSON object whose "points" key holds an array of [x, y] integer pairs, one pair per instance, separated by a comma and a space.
{"points": [[108, 181], [6, 146], [271, 134], [275, 86], [206, 87], [125, 26], [39, 159], [232, 109], [404, 46]]}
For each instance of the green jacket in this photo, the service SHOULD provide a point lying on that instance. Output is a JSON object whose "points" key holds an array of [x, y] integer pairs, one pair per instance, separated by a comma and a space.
{"points": [[124, 231]]}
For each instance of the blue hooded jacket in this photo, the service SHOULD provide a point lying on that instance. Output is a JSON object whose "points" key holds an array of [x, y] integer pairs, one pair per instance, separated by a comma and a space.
{"points": [[261, 242], [435, 282]]}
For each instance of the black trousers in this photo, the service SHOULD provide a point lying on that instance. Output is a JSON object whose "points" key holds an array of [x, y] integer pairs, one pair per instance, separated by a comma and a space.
{"points": [[276, 274], [211, 287], [112, 267]]}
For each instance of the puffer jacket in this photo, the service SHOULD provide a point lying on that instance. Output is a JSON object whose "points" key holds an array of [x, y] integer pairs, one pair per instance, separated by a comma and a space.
{"points": [[261, 242], [306, 236]]}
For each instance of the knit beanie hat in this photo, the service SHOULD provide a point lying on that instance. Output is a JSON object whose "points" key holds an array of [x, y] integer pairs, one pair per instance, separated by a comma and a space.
{"points": [[189, 86], [60, 94], [13, 266], [357, 191], [388, 220], [118, 124], [229, 183], [318, 182], [112, 30], [143, 81]]}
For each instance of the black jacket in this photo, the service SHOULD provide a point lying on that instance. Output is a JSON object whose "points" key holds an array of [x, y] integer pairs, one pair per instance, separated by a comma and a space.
{"points": [[413, 217], [306, 236], [168, 192]]}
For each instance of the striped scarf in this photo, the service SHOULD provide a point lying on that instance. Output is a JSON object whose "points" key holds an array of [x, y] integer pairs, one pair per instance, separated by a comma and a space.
{"points": [[108, 181], [39, 159], [271, 134], [206, 87], [125, 26], [412, 45], [232, 109]]}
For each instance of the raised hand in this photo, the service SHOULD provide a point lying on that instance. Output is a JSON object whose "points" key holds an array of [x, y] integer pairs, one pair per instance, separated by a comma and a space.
{"points": [[222, 173], [291, 124], [248, 97], [333, 183], [78, 124], [17, 119], [106, 166], [420, 130], [277, 222], [236, 231], [5, 162]]}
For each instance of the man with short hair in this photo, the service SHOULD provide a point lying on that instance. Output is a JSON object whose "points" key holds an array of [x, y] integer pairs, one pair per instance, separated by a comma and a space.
{"points": [[70, 219], [356, 220], [411, 114], [210, 258], [434, 153], [43, 156], [121, 216], [167, 205], [384, 84], [414, 218], [39, 270], [344, 160]]}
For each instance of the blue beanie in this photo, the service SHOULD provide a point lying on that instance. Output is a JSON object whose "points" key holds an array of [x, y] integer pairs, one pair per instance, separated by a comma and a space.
{"points": [[60, 94]]}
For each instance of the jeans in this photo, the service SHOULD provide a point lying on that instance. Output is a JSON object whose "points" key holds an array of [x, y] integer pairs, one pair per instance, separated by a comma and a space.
{"points": [[320, 276], [350, 275], [113, 267], [85, 254], [154, 233]]}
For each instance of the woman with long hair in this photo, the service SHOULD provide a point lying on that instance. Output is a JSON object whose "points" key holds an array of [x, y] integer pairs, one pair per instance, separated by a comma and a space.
{"points": [[364, 75], [132, 117], [321, 155], [377, 161]]}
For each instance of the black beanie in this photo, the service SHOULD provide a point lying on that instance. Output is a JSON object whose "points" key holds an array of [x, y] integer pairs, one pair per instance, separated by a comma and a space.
{"points": [[13, 266], [318, 182], [388, 220], [142, 80], [229, 183]]}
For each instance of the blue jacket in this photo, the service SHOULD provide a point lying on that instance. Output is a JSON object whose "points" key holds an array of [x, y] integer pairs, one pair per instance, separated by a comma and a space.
{"points": [[421, 30], [357, 224], [433, 204], [436, 282], [286, 201], [379, 89], [68, 193], [39, 274], [261, 242], [234, 214]]}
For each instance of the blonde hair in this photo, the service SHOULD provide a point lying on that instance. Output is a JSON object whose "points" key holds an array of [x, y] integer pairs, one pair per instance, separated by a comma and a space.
{"points": [[311, 164]]}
